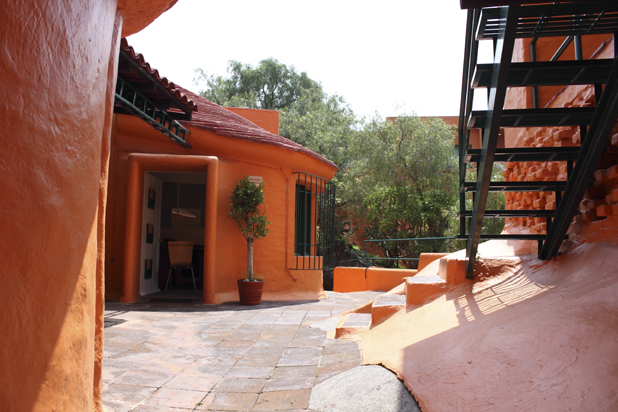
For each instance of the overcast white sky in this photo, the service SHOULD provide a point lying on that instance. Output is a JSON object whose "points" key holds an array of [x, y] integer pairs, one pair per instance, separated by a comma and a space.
{"points": [[389, 56]]}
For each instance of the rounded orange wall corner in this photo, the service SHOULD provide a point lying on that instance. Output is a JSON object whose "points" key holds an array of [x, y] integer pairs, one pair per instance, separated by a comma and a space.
{"points": [[140, 13], [347, 279], [57, 106]]}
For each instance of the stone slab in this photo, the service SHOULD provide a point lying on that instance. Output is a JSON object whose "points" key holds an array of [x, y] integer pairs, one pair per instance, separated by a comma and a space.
{"points": [[367, 388]]}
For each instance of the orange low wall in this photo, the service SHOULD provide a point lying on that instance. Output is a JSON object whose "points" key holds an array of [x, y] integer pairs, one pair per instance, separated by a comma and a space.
{"points": [[349, 279], [386, 279], [346, 279]]}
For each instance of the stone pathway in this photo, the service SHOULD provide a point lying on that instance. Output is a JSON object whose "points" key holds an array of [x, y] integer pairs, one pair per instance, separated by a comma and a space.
{"points": [[191, 357]]}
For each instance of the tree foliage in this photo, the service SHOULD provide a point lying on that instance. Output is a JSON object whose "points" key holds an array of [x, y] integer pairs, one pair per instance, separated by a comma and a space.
{"points": [[308, 116], [402, 181], [270, 86], [495, 200]]}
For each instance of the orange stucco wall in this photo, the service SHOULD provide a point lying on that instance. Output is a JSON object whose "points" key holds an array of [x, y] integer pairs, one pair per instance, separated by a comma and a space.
{"points": [[58, 64], [351, 279], [385, 279], [266, 119], [226, 255], [596, 219]]}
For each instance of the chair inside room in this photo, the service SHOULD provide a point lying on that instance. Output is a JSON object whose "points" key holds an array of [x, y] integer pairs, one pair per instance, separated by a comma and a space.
{"points": [[181, 254]]}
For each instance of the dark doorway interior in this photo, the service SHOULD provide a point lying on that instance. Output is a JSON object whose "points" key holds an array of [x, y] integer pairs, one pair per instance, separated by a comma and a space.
{"points": [[183, 204]]}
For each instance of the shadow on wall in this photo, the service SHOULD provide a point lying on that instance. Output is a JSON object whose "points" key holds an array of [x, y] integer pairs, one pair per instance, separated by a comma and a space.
{"points": [[538, 339]]}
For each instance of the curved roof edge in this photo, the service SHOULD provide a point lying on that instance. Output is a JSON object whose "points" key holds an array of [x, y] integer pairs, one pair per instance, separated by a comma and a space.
{"points": [[163, 81], [223, 122]]}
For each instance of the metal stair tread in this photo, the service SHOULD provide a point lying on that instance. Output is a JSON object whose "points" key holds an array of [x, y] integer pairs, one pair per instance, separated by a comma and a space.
{"points": [[512, 236], [523, 186], [556, 73], [601, 17], [527, 154], [512, 213], [562, 116]]}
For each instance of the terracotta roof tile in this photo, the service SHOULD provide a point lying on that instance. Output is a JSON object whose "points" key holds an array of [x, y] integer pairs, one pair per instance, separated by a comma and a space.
{"points": [[226, 123], [217, 119], [139, 58]]}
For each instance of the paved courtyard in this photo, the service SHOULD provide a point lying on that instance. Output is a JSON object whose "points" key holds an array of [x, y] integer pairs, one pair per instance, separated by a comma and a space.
{"points": [[166, 357]]}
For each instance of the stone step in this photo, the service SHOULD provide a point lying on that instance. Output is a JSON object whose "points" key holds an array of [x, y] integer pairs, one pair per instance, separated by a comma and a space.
{"points": [[384, 306], [453, 269], [419, 289], [356, 322]]}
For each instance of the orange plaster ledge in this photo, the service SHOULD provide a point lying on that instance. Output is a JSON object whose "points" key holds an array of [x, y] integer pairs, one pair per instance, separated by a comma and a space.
{"points": [[140, 163]]}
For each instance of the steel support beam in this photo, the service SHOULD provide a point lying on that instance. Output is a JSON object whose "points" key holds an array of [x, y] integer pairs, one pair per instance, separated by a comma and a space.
{"points": [[592, 148], [497, 92], [467, 94]]}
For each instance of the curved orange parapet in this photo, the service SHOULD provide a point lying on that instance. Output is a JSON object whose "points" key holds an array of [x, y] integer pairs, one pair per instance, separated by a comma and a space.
{"points": [[139, 14]]}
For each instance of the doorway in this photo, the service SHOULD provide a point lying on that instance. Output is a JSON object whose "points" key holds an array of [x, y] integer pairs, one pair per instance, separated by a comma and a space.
{"points": [[179, 215], [139, 164]]}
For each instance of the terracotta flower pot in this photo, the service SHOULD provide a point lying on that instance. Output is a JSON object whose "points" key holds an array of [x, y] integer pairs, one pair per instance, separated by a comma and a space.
{"points": [[250, 293]]}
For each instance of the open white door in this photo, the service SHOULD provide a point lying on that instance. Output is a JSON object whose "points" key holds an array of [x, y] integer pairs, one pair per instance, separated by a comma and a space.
{"points": [[151, 232]]}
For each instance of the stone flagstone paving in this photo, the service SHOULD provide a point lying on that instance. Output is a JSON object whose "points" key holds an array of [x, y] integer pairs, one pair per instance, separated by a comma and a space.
{"points": [[191, 357]]}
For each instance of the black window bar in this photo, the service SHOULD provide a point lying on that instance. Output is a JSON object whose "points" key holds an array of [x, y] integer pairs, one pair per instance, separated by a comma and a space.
{"points": [[314, 236]]}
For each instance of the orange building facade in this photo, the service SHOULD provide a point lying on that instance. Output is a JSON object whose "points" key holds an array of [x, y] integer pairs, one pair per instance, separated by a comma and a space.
{"points": [[191, 189]]}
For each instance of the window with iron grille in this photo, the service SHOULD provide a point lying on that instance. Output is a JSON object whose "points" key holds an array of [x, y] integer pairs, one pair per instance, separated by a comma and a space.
{"points": [[315, 223]]}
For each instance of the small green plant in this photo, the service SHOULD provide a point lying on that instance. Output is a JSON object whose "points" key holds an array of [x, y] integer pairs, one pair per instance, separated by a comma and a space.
{"points": [[244, 209]]}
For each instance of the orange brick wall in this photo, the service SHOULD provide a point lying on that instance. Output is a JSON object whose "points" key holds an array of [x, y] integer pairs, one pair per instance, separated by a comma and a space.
{"points": [[601, 199]]}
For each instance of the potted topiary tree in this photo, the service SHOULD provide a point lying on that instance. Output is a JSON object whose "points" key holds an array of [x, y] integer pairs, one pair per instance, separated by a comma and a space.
{"points": [[252, 223]]}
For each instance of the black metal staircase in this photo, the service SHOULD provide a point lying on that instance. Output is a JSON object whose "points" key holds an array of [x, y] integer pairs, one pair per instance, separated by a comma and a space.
{"points": [[503, 25]]}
